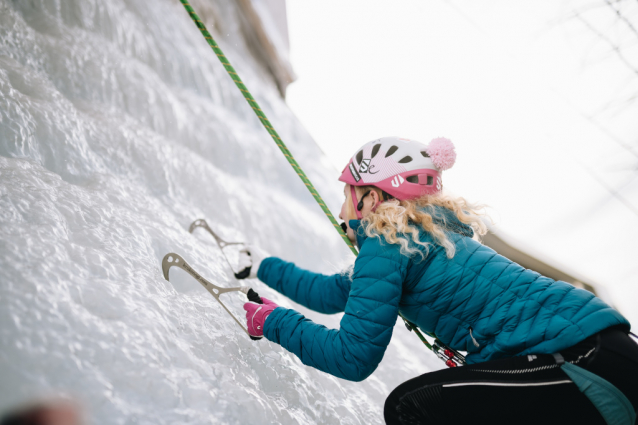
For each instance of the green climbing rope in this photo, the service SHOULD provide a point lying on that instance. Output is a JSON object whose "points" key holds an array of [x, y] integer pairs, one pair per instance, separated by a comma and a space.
{"points": [[269, 128], [262, 117]]}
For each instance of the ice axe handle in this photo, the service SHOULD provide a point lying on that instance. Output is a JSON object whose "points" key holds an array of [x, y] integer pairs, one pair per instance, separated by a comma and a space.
{"points": [[254, 297], [243, 275]]}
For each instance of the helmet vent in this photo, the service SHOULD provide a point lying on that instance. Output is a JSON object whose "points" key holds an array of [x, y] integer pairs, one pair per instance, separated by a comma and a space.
{"points": [[425, 154], [405, 160], [430, 180], [359, 157], [413, 179], [390, 151], [375, 150]]}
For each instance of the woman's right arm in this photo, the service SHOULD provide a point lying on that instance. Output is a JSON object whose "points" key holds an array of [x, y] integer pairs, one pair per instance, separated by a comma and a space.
{"points": [[318, 292]]}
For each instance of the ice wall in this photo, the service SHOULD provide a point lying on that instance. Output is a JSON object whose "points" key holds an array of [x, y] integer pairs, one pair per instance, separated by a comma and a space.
{"points": [[118, 127]]}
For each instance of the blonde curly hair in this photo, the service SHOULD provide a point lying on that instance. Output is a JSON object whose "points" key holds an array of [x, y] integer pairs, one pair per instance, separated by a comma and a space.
{"points": [[399, 221]]}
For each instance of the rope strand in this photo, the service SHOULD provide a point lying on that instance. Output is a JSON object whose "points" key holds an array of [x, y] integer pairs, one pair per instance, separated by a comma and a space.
{"points": [[264, 120], [269, 128]]}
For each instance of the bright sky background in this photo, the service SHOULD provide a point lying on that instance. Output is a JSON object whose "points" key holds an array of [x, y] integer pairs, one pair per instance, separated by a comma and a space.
{"points": [[512, 85]]}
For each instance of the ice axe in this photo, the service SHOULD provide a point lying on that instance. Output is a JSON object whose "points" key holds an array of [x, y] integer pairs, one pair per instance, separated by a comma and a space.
{"points": [[221, 243], [174, 260]]}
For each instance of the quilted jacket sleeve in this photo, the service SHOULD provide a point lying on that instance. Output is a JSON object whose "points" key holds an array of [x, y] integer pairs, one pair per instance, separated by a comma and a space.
{"points": [[318, 292], [354, 350]]}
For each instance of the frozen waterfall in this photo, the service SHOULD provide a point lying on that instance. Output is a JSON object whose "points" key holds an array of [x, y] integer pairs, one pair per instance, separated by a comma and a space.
{"points": [[118, 128]]}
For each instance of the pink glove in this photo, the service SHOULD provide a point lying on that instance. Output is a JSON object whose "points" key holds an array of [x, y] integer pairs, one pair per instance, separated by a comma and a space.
{"points": [[256, 315]]}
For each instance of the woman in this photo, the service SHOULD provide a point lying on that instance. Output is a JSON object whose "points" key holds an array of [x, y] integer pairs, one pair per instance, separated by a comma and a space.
{"points": [[417, 256]]}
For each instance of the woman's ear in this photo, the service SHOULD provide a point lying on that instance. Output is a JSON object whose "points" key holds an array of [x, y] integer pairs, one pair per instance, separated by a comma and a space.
{"points": [[370, 202], [375, 197]]}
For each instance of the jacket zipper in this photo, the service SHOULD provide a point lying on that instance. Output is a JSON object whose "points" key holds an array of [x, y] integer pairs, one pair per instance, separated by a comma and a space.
{"points": [[538, 368]]}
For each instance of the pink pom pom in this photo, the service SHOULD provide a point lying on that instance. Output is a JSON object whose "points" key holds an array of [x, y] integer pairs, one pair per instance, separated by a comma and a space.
{"points": [[441, 151]]}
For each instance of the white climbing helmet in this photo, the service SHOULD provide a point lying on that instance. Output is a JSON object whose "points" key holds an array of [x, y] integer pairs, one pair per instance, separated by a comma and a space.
{"points": [[403, 168]]}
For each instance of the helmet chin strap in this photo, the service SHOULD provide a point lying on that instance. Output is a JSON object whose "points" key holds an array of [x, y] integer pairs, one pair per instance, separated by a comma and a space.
{"points": [[353, 195]]}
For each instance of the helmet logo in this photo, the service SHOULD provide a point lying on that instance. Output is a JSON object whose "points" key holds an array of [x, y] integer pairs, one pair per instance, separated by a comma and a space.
{"points": [[354, 173], [439, 184], [397, 180], [365, 167]]}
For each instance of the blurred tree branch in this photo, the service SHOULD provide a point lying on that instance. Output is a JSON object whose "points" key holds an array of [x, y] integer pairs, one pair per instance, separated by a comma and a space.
{"points": [[617, 30]]}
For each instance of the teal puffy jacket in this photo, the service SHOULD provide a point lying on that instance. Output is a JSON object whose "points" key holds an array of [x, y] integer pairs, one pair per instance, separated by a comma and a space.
{"points": [[478, 301]]}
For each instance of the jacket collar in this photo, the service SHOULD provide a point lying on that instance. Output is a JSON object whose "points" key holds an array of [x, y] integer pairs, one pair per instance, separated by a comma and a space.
{"points": [[359, 232], [440, 215]]}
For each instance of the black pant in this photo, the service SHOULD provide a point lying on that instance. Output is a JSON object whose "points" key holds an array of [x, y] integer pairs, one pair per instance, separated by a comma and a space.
{"points": [[519, 390]]}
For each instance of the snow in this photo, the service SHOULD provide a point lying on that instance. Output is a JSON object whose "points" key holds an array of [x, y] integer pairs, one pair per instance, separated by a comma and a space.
{"points": [[118, 128]]}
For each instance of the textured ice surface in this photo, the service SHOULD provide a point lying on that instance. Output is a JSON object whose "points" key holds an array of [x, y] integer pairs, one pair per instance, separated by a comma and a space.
{"points": [[119, 127]]}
